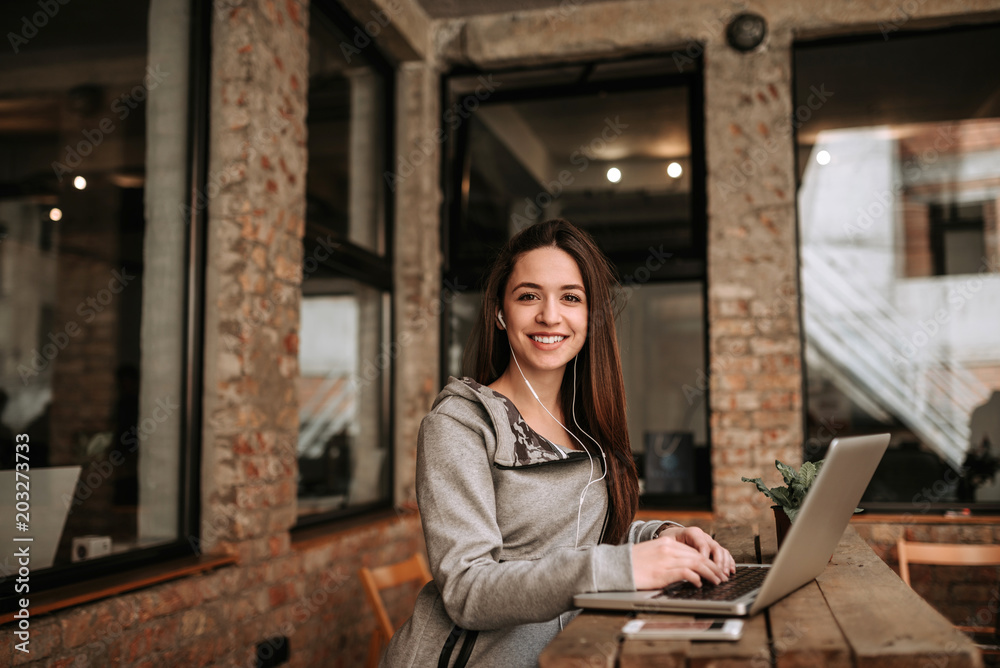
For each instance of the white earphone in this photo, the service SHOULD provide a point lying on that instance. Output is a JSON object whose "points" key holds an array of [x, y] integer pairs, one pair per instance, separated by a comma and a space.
{"points": [[590, 477], [503, 325]]}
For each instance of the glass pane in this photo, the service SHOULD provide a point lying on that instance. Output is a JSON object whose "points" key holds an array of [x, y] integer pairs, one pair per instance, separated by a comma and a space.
{"points": [[901, 259], [346, 123], [619, 165], [662, 336], [93, 164], [343, 458]]}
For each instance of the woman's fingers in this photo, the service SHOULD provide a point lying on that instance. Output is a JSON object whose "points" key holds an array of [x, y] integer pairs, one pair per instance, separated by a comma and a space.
{"points": [[710, 548], [658, 563]]}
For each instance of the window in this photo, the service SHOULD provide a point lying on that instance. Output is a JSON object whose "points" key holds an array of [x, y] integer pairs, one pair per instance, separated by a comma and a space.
{"points": [[899, 168], [94, 180], [345, 358], [958, 237], [617, 149]]}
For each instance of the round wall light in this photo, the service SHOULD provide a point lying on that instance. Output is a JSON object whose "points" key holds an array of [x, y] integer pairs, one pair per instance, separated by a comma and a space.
{"points": [[614, 175], [746, 31]]}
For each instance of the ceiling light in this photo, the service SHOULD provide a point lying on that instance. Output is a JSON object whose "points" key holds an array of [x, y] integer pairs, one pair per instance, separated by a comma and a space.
{"points": [[614, 175], [823, 157], [79, 183], [55, 214], [674, 170]]}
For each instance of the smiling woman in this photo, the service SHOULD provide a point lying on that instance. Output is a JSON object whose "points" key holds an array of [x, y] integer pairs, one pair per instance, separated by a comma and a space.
{"points": [[506, 463]]}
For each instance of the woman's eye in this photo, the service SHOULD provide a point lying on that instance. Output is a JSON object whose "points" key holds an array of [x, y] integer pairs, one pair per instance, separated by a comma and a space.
{"points": [[527, 296], [573, 298]]}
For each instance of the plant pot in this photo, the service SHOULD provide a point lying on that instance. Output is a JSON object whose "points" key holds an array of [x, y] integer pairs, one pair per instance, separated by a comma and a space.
{"points": [[781, 523]]}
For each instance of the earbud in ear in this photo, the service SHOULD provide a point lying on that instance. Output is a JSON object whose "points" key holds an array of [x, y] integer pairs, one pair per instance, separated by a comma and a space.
{"points": [[503, 325]]}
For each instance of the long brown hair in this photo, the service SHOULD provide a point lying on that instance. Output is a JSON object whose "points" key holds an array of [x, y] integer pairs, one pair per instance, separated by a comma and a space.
{"points": [[599, 372]]}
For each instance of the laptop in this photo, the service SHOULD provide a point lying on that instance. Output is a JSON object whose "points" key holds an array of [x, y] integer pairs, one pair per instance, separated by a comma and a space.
{"points": [[51, 492], [808, 546]]}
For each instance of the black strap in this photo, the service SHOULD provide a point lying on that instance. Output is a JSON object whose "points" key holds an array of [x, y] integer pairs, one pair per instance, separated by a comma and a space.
{"points": [[449, 646], [466, 651]]}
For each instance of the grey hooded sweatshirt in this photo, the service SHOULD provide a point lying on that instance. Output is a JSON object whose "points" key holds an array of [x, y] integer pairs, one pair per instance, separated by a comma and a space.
{"points": [[499, 507]]}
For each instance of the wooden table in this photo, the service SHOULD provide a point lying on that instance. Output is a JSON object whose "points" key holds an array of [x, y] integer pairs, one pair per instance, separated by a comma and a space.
{"points": [[857, 613]]}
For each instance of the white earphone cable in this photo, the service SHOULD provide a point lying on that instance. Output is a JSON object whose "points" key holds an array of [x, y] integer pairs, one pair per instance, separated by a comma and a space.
{"points": [[590, 480]]}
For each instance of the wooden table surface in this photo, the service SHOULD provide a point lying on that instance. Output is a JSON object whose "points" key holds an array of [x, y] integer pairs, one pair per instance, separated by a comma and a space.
{"points": [[857, 613]]}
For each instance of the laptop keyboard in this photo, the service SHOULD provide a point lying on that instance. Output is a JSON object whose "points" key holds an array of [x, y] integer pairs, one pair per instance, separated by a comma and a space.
{"points": [[744, 581]]}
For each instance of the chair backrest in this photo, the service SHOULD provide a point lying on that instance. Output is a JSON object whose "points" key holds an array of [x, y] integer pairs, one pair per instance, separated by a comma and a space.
{"points": [[375, 580], [948, 554]]}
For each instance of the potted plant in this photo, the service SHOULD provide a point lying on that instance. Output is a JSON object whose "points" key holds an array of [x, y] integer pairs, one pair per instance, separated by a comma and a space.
{"points": [[788, 499]]}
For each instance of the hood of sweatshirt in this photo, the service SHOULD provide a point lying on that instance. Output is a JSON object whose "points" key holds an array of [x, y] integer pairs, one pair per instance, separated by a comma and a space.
{"points": [[518, 445]]}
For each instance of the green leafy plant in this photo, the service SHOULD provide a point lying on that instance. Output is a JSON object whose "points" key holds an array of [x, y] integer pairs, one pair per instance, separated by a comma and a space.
{"points": [[797, 484]]}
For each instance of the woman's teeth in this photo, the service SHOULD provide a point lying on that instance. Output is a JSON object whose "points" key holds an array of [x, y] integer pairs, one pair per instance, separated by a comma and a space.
{"points": [[548, 339]]}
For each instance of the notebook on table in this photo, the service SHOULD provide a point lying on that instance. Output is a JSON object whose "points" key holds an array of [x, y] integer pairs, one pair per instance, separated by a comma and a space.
{"points": [[808, 546]]}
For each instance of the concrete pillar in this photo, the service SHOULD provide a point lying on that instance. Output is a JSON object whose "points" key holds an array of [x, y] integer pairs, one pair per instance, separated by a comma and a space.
{"points": [[417, 261]]}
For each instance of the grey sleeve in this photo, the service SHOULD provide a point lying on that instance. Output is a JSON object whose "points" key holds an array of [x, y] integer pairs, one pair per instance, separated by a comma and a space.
{"points": [[458, 511], [640, 531]]}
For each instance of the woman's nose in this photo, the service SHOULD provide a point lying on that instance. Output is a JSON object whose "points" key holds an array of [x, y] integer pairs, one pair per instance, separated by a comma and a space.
{"points": [[549, 313]]}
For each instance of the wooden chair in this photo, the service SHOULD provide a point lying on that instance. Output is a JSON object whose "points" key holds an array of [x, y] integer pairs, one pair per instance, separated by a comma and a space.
{"points": [[374, 581], [954, 554]]}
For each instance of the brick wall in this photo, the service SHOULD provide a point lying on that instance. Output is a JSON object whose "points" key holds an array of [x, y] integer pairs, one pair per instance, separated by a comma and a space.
{"points": [[308, 593]]}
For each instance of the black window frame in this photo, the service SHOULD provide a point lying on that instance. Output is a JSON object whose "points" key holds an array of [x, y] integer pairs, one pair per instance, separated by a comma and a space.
{"points": [[349, 260], [694, 268], [925, 504], [190, 443]]}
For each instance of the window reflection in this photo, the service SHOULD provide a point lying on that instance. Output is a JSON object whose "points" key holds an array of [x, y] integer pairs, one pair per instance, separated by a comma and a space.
{"points": [[621, 163], [900, 262], [342, 461], [92, 176]]}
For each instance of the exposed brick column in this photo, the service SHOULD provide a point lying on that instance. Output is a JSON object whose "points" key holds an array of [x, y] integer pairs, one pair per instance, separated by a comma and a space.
{"points": [[256, 204], [418, 298], [755, 369]]}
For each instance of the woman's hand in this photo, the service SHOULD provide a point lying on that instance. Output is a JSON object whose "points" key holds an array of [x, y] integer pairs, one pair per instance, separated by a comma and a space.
{"points": [[680, 554]]}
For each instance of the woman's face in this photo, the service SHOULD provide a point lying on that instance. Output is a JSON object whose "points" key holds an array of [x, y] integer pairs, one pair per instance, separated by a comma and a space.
{"points": [[545, 308]]}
